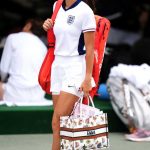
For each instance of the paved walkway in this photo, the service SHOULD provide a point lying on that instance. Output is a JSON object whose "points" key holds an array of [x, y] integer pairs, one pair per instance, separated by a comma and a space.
{"points": [[43, 142]]}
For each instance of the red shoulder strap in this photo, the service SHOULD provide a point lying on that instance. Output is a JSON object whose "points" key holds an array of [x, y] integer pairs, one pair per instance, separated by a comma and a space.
{"points": [[57, 7], [50, 33]]}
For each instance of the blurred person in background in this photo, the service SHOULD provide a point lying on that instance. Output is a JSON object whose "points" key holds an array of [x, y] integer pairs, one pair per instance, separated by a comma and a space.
{"points": [[140, 51], [144, 20], [21, 60]]}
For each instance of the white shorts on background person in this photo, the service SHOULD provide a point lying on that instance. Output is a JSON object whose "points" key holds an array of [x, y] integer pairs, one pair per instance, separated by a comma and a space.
{"points": [[68, 73], [16, 94]]}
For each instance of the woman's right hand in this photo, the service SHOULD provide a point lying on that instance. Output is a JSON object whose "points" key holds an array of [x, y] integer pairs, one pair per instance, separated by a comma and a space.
{"points": [[48, 23]]}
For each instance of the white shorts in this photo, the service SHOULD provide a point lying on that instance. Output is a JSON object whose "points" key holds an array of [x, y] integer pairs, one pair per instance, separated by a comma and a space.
{"points": [[68, 74], [16, 94]]}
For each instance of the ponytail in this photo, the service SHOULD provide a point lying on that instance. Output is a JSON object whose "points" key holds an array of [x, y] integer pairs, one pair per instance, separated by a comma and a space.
{"points": [[91, 4]]}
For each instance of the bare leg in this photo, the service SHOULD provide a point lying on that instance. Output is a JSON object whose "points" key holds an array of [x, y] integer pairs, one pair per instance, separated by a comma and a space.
{"points": [[64, 106], [55, 99], [1, 91]]}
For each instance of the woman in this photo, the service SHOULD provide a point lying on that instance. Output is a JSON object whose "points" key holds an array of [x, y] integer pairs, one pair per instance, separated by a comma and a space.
{"points": [[19, 65], [74, 27]]}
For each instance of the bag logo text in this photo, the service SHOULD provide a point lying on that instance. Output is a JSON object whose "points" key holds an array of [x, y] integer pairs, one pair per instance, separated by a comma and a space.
{"points": [[91, 132]]}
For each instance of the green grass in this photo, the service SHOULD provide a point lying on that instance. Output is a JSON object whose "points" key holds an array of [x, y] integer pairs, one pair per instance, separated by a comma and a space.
{"points": [[37, 119]]}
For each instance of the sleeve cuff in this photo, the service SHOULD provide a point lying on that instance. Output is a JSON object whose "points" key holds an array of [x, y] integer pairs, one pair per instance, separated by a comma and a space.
{"points": [[89, 29]]}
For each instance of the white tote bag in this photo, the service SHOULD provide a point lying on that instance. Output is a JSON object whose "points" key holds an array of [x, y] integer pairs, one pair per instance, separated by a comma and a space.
{"points": [[83, 130]]}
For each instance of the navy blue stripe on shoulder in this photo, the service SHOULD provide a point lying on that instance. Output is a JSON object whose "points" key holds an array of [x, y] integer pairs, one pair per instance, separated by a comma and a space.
{"points": [[81, 50]]}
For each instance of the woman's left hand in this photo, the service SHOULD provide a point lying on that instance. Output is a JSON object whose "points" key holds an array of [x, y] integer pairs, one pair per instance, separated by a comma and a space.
{"points": [[86, 86]]}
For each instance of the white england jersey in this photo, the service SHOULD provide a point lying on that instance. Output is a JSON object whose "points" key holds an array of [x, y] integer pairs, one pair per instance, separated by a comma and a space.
{"points": [[70, 24]]}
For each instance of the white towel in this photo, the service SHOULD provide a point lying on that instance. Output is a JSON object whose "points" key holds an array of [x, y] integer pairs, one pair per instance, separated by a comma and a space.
{"points": [[137, 75]]}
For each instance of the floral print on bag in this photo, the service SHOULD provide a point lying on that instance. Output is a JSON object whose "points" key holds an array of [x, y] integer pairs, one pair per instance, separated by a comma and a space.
{"points": [[76, 122]]}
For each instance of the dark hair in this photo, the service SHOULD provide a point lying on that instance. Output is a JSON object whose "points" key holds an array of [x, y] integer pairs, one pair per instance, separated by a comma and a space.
{"points": [[36, 27], [91, 4]]}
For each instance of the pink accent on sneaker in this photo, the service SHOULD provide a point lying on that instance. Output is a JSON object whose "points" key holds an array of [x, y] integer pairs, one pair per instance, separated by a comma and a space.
{"points": [[138, 136]]}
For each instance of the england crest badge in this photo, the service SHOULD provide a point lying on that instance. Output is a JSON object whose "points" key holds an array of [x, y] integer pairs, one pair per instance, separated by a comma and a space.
{"points": [[70, 19]]}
